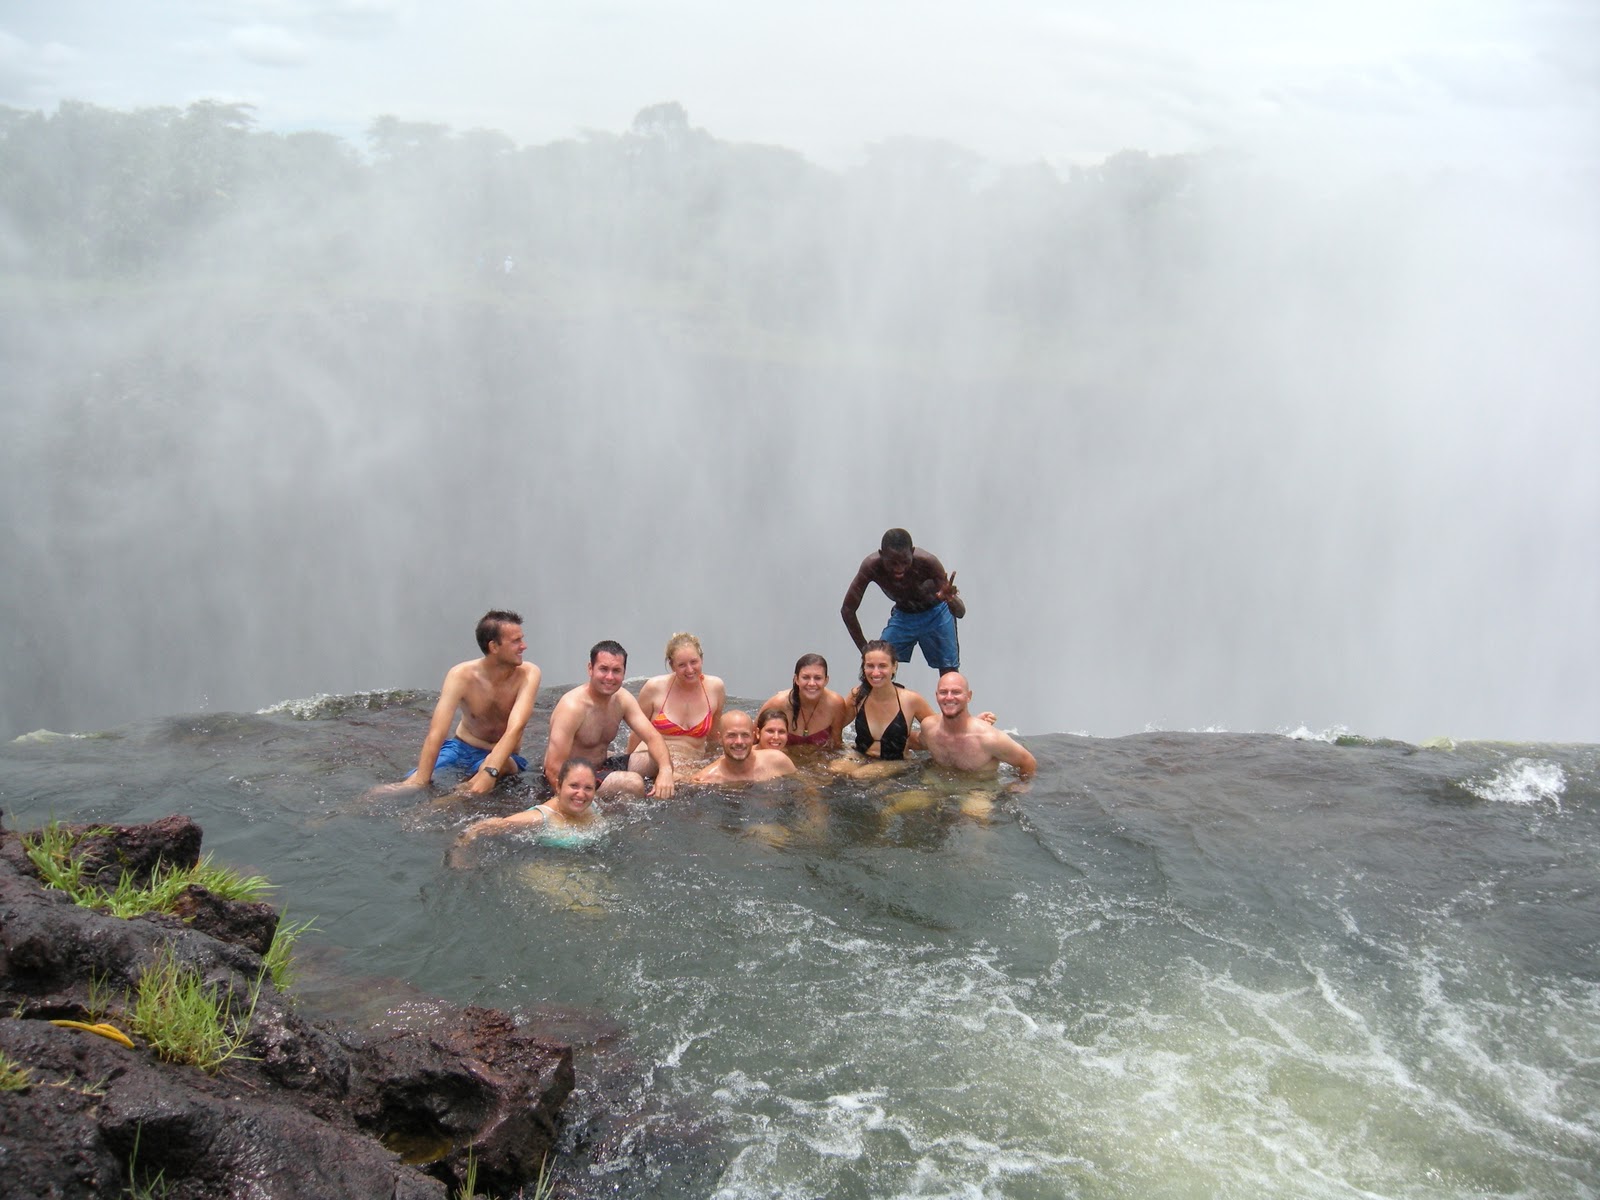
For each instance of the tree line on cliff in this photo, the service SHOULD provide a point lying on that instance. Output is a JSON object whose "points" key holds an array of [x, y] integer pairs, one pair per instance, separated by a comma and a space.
{"points": [[93, 194]]}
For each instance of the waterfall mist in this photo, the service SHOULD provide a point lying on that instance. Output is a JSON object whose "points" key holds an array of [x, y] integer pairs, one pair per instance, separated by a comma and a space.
{"points": [[1211, 441]]}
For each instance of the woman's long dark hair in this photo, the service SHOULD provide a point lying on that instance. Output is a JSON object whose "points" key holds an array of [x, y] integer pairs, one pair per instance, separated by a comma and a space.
{"points": [[805, 660], [864, 687]]}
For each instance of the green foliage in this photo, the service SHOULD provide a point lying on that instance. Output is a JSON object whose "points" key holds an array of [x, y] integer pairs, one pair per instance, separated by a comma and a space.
{"points": [[149, 1189], [98, 1006], [543, 1187], [469, 1186], [52, 850], [185, 1020], [14, 1077], [279, 956], [167, 884]]}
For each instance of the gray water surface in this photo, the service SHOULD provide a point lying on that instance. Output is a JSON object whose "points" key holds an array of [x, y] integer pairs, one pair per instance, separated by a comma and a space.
{"points": [[1182, 965]]}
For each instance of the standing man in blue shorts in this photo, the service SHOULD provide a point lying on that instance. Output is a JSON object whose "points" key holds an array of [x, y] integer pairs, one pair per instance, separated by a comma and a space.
{"points": [[926, 602]]}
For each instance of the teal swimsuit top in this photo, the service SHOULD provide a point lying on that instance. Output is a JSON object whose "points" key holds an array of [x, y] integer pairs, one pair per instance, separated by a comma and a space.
{"points": [[566, 839]]}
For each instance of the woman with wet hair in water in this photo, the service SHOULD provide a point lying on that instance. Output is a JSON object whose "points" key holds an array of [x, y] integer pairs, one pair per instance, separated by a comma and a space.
{"points": [[816, 715], [772, 729]]}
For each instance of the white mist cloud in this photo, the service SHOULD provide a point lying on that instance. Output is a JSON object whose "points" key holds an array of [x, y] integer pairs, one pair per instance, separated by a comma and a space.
{"points": [[269, 46], [27, 69], [1023, 81]]}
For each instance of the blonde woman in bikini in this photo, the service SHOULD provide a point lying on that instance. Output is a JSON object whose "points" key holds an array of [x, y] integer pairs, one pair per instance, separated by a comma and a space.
{"points": [[816, 715], [683, 705]]}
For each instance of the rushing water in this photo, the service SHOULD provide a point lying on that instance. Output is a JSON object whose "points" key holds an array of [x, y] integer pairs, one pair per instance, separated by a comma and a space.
{"points": [[1183, 964]]}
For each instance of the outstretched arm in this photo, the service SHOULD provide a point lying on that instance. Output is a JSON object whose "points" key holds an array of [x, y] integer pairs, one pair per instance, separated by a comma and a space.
{"points": [[852, 602], [650, 737], [836, 726], [1008, 750], [530, 818], [718, 693], [438, 727], [651, 695], [511, 740], [564, 719]]}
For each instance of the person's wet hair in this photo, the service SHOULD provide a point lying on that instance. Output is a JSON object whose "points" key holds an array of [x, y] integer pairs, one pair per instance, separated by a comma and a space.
{"points": [[876, 644], [607, 647], [572, 764], [678, 641], [489, 626]]}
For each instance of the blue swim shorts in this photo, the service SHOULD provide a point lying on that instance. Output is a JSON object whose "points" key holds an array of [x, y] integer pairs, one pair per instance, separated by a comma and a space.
{"points": [[458, 755], [934, 630]]}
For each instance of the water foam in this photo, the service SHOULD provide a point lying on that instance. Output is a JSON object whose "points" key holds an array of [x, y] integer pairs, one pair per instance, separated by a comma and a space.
{"points": [[321, 707], [1525, 781]]}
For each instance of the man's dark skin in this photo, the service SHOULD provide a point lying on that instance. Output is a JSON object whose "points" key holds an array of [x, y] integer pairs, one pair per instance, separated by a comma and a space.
{"points": [[914, 581]]}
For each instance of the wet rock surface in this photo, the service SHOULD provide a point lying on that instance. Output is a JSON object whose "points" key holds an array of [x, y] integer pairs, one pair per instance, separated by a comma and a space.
{"points": [[309, 1108]]}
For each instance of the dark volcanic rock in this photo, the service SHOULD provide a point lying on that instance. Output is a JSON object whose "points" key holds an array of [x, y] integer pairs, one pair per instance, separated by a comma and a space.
{"points": [[310, 1110], [110, 851], [252, 926]]}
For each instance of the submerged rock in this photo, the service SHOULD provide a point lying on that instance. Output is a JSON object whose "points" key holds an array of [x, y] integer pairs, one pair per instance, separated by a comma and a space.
{"points": [[306, 1109]]}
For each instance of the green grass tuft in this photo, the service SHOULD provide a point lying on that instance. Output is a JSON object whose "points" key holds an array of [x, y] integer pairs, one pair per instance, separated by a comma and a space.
{"points": [[52, 850], [469, 1185], [280, 955], [14, 1077], [151, 1188], [185, 1020], [542, 1188]]}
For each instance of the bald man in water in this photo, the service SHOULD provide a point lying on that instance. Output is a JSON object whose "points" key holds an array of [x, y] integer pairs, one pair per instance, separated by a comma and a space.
{"points": [[957, 739], [742, 761]]}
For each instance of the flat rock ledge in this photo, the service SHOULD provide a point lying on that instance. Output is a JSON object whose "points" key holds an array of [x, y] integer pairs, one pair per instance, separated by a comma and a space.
{"points": [[314, 1111]]}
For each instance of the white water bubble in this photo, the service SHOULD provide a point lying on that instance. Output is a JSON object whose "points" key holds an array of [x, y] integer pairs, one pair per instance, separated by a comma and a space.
{"points": [[1525, 781]]}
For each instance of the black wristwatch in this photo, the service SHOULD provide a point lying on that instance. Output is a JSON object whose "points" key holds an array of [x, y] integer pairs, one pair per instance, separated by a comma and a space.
{"points": [[492, 772]]}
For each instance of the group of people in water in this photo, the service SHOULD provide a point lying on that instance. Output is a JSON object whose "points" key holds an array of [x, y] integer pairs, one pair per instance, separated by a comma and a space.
{"points": [[681, 718]]}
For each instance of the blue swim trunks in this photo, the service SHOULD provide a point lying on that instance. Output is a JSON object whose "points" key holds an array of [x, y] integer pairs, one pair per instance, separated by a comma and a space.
{"points": [[458, 755], [934, 630]]}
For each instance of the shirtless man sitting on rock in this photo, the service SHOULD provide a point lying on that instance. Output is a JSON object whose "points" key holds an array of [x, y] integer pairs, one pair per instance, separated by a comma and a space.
{"points": [[585, 721], [495, 695]]}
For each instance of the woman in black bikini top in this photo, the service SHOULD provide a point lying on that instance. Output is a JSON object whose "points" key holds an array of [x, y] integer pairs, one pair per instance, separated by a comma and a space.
{"points": [[873, 697]]}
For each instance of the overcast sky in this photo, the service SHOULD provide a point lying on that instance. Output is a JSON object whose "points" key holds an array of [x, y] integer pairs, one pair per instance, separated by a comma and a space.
{"points": [[1455, 81]]}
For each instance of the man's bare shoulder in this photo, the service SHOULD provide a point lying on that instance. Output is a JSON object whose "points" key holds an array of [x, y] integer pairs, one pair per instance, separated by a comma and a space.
{"points": [[776, 762], [576, 700], [464, 672]]}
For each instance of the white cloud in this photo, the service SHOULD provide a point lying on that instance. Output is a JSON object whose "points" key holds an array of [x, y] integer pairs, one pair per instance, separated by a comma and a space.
{"points": [[269, 46], [26, 69], [1026, 80]]}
